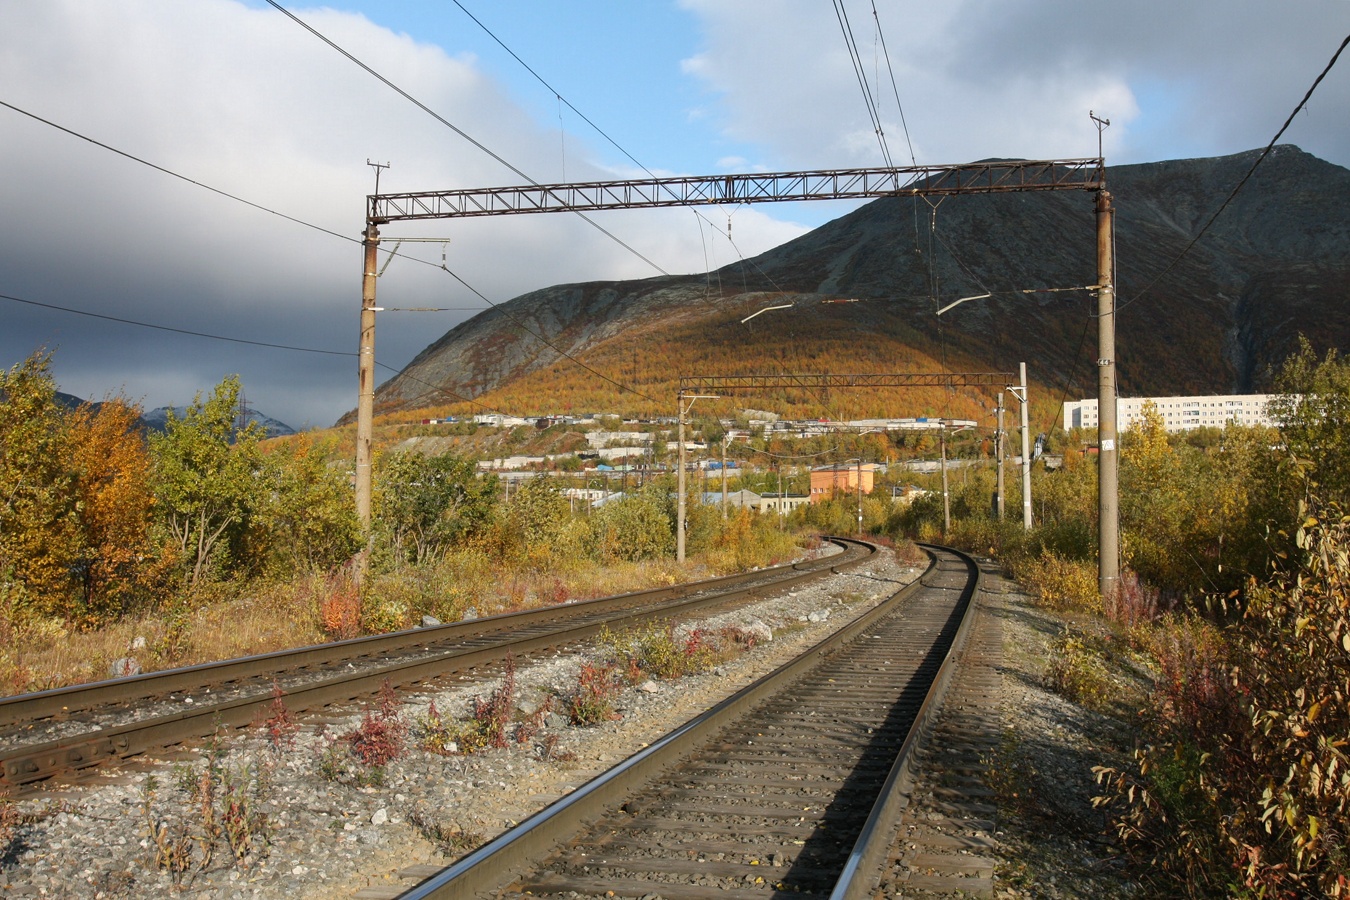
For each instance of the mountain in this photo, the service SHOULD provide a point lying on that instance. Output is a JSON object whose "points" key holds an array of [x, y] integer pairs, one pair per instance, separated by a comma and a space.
{"points": [[154, 419], [865, 287]]}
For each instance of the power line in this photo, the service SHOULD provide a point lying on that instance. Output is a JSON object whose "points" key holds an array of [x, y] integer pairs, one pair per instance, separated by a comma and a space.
{"points": [[1264, 153], [456, 129], [894, 89], [855, 58], [173, 174], [289, 218], [545, 341], [233, 340], [200, 334]]}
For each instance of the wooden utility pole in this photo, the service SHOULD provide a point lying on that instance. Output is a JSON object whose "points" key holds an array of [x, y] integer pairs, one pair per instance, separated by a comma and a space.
{"points": [[365, 402], [1108, 497]]}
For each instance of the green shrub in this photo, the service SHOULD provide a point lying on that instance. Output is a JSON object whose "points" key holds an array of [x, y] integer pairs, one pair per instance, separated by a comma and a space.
{"points": [[1058, 583], [1243, 785], [1076, 671]]}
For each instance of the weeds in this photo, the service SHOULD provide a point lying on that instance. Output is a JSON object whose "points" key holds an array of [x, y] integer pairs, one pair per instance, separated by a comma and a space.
{"points": [[10, 818], [280, 723], [656, 651], [592, 700], [379, 739], [221, 805], [339, 606], [1060, 584], [548, 750], [1132, 603], [1076, 672], [449, 839]]}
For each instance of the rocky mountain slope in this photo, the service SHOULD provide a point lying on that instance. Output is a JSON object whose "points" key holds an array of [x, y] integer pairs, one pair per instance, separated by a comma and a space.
{"points": [[1275, 264]]}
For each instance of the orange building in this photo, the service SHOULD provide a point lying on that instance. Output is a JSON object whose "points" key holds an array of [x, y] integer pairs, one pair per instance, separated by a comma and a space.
{"points": [[842, 479]]}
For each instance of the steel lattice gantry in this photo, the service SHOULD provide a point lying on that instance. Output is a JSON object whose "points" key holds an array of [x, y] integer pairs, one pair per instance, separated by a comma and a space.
{"points": [[991, 176], [828, 184], [720, 384]]}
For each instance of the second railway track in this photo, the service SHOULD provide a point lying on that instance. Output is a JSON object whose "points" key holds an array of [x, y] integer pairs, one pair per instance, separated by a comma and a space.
{"points": [[790, 787], [54, 732]]}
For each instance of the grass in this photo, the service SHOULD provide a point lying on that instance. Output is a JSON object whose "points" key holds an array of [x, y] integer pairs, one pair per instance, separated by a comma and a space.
{"points": [[226, 621]]}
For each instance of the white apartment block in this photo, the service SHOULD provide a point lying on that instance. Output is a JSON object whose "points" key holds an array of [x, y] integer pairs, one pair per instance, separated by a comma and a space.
{"points": [[1178, 413]]}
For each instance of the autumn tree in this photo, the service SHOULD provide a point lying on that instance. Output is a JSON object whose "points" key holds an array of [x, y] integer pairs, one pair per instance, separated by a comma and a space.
{"points": [[1313, 411], [535, 528], [303, 517], [634, 527], [205, 479], [40, 540], [120, 565], [422, 504]]}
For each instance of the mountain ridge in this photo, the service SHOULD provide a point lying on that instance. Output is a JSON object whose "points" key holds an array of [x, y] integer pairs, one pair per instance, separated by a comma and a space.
{"points": [[1274, 265]]}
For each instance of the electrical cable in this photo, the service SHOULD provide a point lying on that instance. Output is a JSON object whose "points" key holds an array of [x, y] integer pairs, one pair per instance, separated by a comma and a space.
{"points": [[200, 334], [698, 214], [543, 340], [262, 208], [456, 129], [231, 340], [174, 174], [1264, 153], [894, 89], [856, 59]]}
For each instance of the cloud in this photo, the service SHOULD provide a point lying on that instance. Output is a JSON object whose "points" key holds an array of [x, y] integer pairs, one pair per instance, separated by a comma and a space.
{"points": [[239, 97], [982, 79], [248, 102]]}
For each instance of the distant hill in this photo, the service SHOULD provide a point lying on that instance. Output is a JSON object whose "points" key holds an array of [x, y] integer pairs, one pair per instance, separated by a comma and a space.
{"points": [[154, 419], [1276, 264]]}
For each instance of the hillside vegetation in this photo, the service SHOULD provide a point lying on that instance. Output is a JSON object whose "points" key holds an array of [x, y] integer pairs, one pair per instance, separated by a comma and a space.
{"points": [[866, 286]]}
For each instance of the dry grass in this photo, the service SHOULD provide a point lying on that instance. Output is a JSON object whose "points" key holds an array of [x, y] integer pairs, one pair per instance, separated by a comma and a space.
{"points": [[216, 624], [46, 655]]}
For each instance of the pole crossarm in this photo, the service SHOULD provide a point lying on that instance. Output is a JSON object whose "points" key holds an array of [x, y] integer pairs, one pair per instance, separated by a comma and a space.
{"points": [[723, 383], [994, 176]]}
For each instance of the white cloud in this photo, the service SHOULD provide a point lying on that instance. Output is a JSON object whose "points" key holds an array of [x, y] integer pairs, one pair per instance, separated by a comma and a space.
{"points": [[248, 102], [979, 78], [244, 100]]}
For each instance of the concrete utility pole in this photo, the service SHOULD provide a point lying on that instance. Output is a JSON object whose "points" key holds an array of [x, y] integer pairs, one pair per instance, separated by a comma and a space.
{"points": [[998, 455], [1108, 497], [724, 477], [946, 494], [1026, 452], [365, 403], [680, 506], [859, 486]]}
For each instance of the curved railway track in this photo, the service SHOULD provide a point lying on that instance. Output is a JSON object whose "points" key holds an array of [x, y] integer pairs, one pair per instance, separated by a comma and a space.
{"points": [[793, 786], [68, 729]]}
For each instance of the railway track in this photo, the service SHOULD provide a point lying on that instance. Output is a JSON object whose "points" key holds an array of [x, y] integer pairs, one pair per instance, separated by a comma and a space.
{"points": [[793, 786], [70, 729]]}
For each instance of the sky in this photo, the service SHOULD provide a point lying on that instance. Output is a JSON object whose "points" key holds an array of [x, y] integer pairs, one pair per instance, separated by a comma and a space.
{"points": [[239, 98]]}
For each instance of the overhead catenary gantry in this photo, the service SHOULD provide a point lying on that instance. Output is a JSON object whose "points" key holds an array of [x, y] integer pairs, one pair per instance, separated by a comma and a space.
{"points": [[711, 387], [1004, 176]]}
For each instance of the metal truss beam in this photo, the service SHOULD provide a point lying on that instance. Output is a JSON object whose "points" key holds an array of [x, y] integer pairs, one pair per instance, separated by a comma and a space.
{"points": [[829, 184], [721, 384]]}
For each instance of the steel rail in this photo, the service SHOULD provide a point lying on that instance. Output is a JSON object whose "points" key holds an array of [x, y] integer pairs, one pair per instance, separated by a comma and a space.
{"points": [[862, 872], [489, 867], [65, 700], [27, 764]]}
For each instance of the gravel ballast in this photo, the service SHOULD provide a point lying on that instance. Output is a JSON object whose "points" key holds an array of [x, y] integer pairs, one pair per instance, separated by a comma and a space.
{"points": [[338, 838]]}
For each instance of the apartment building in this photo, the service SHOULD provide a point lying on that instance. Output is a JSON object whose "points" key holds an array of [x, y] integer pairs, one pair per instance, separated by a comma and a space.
{"points": [[1178, 413]]}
